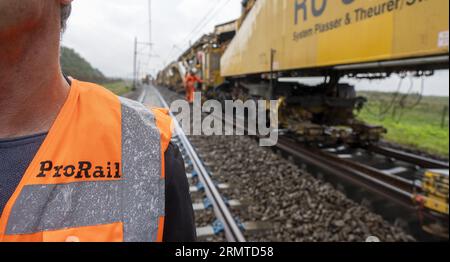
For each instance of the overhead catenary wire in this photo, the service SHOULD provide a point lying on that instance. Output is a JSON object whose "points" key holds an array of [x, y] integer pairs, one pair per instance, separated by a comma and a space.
{"points": [[210, 15], [144, 49], [213, 6], [199, 25]]}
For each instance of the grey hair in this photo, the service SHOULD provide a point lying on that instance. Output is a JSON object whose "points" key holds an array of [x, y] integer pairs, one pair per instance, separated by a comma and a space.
{"points": [[65, 13]]}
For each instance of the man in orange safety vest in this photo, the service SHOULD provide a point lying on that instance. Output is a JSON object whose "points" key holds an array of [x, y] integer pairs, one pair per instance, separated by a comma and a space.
{"points": [[190, 80], [78, 163]]}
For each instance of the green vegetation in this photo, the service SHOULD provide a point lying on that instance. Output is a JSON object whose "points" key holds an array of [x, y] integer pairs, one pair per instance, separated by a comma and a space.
{"points": [[418, 123], [77, 67], [119, 88]]}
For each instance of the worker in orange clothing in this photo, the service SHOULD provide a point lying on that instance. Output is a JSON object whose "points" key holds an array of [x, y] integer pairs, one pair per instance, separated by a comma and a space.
{"points": [[77, 162], [189, 83]]}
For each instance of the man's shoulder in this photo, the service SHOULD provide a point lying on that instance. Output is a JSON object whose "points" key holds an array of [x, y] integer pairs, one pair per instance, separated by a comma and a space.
{"points": [[133, 113], [108, 108], [156, 117], [160, 116], [99, 94]]}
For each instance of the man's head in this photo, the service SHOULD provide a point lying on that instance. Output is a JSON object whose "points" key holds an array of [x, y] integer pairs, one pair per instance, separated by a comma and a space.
{"points": [[192, 71], [65, 13], [17, 17]]}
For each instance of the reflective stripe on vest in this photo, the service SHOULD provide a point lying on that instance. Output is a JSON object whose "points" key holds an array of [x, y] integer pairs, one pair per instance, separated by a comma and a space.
{"points": [[124, 203]]}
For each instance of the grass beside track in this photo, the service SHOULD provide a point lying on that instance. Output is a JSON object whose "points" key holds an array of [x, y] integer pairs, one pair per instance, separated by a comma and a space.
{"points": [[423, 126], [119, 88]]}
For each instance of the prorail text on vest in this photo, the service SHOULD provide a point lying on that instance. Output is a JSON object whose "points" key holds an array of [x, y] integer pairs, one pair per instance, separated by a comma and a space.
{"points": [[81, 170]]}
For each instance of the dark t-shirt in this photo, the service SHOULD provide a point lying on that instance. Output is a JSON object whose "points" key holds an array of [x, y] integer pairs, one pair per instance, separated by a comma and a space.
{"points": [[16, 155]]}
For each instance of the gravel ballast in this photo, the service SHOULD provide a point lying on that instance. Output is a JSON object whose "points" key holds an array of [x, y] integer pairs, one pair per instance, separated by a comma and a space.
{"points": [[297, 206]]}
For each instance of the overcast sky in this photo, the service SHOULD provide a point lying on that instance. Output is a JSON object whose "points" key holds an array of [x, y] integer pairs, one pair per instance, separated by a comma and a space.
{"points": [[103, 32]]}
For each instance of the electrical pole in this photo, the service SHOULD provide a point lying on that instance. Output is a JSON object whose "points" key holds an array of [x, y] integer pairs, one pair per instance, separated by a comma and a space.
{"points": [[137, 67], [134, 63], [150, 36], [150, 23], [138, 72]]}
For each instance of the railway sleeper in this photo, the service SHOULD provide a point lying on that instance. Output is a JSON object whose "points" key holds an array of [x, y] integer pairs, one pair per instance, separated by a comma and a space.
{"points": [[217, 228], [200, 188], [207, 204]]}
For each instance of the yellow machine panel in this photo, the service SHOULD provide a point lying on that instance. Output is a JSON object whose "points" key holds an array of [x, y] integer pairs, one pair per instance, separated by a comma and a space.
{"points": [[435, 187], [307, 34]]}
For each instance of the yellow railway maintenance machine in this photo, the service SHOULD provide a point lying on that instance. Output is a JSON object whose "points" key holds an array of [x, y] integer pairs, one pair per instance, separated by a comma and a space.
{"points": [[332, 39], [434, 197], [203, 57], [282, 40], [205, 54], [275, 44], [172, 77]]}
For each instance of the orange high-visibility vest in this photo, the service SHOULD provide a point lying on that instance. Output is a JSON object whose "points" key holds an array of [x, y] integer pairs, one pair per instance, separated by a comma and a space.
{"points": [[190, 81], [98, 176]]}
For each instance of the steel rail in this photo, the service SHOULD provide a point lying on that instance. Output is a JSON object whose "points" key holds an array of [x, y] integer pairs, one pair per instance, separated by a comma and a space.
{"points": [[400, 190], [356, 177], [143, 95], [232, 231], [401, 196], [409, 158], [397, 190], [406, 185]]}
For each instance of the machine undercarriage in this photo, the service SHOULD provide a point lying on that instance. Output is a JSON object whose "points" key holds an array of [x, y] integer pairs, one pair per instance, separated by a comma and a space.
{"points": [[324, 114]]}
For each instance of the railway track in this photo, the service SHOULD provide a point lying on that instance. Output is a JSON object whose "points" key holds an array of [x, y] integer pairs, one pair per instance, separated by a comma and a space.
{"points": [[393, 171], [385, 179], [207, 195], [395, 176]]}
